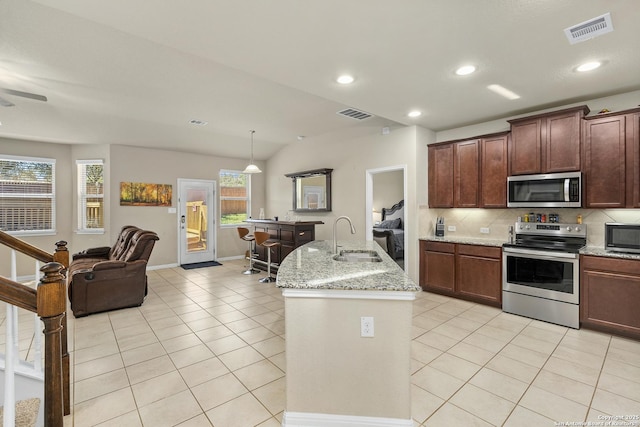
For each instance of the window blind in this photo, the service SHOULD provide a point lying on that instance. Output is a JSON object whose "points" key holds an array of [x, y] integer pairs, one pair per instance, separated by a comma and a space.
{"points": [[90, 195], [27, 194]]}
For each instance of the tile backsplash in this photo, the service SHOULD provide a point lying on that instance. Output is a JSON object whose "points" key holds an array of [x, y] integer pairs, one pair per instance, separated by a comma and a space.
{"points": [[469, 222]]}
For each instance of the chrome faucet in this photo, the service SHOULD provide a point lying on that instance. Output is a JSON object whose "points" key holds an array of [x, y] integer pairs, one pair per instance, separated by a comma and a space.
{"points": [[335, 231]]}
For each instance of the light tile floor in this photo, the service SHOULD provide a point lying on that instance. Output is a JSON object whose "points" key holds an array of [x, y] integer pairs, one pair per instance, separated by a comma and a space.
{"points": [[207, 349]]}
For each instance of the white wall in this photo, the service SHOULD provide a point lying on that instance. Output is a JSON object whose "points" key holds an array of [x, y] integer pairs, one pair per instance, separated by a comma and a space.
{"points": [[130, 164], [388, 189], [350, 155]]}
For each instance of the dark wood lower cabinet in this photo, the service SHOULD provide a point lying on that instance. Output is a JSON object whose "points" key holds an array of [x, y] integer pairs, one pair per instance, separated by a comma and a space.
{"points": [[470, 272], [610, 295], [290, 235], [479, 273], [437, 266]]}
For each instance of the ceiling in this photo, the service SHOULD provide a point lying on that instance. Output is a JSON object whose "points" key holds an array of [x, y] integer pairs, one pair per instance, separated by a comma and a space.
{"points": [[135, 72]]}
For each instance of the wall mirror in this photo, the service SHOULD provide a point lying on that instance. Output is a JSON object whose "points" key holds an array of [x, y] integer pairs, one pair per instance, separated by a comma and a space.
{"points": [[311, 190]]}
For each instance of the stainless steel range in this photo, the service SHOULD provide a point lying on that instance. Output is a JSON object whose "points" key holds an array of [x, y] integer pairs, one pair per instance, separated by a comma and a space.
{"points": [[541, 272]]}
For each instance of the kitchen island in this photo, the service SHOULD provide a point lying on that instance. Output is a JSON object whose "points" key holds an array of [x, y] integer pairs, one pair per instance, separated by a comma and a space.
{"points": [[336, 374]]}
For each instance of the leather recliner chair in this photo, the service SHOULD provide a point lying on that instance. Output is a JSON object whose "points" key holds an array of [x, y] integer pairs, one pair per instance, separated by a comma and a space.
{"points": [[110, 278]]}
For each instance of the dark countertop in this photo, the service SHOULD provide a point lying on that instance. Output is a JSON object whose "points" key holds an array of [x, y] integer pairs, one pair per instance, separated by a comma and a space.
{"points": [[272, 221]]}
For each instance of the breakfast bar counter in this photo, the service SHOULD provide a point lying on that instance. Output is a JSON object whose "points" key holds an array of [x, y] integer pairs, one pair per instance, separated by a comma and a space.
{"points": [[312, 267], [348, 337]]}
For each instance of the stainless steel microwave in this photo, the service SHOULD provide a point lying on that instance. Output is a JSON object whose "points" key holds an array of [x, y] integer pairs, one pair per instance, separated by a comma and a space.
{"points": [[553, 190], [620, 237]]}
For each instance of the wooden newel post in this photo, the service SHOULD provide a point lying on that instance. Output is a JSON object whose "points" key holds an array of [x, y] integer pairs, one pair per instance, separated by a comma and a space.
{"points": [[61, 255], [51, 305]]}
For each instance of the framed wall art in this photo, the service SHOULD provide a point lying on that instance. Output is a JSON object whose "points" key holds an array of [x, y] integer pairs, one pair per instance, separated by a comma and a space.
{"points": [[143, 194]]}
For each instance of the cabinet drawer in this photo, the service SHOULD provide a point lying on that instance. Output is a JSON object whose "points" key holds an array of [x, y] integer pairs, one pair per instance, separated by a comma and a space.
{"points": [[480, 251], [304, 234], [617, 265], [286, 235], [440, 247]]}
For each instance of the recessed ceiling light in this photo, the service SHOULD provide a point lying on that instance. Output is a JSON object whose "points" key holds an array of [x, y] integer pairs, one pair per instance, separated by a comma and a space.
{"points": [[414, 114], [465, 70], [345, 79], [588, 66], [503, 92], [197, 122]]}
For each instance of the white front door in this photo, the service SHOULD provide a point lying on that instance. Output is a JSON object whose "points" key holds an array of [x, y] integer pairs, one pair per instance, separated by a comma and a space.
{"points": [[196, 226]]}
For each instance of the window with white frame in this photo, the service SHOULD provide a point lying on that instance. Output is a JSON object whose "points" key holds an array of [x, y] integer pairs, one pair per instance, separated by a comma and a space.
{"points": [[235, 201], [90, 196], [27, 195]]}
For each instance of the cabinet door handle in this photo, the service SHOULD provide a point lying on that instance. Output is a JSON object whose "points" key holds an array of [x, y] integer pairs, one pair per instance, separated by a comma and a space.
{"points": [[301, 233]]}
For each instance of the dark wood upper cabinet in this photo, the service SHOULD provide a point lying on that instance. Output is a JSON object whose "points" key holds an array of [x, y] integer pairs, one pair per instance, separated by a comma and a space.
{"points": [[469, 174], [493, 171], [546, 143], [605, 160], [524, 149], [612, 160], [466, 167], [605, 148], [633, 164], [440, 176]]}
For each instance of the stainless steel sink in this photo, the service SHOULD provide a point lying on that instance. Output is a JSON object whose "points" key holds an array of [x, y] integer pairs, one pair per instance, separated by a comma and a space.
{"points": [[357, 256]]}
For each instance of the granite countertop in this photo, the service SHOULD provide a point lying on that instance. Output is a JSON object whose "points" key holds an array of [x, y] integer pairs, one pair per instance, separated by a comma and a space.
{"points": [[312, 266], [600, 251], [466, 240]]}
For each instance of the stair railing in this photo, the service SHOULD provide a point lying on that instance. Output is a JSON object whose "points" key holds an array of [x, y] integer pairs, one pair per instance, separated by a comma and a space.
{"points": [[48, 301]]}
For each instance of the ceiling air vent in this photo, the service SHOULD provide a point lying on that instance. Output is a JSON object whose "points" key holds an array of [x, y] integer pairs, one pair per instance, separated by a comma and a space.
{"points": [[355, 114], [589, 29]]}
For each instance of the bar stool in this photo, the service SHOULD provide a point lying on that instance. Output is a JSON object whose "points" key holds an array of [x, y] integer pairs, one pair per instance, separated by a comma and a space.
{"points": [[244, 235], [262, 240]]}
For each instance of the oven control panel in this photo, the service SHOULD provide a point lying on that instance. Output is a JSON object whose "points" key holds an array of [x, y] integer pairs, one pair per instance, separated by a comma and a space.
{"points": [[547, 229]]}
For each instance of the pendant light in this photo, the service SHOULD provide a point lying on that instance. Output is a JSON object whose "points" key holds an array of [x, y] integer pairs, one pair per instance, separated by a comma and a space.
{"points": [[252, 168]]}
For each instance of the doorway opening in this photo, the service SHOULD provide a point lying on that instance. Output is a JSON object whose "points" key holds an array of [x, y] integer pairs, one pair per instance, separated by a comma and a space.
{"points": [[196, 225], [386, 188]]}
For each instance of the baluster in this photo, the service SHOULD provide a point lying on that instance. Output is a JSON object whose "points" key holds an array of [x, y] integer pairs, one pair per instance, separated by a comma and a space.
{"points": [[10, 357], [37, 331]]}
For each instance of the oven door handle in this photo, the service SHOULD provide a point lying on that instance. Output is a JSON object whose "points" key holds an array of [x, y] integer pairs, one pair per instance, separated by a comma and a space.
{"points": [[540, 254]]}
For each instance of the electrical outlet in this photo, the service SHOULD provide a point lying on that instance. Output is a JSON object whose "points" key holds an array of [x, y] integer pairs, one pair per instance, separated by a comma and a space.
{"points": [[451, 228], [484, 230], [366, 327]]}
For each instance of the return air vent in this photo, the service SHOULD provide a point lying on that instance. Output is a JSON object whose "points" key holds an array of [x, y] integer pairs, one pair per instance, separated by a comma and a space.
{"points": [[589, 29], [355, 114]]}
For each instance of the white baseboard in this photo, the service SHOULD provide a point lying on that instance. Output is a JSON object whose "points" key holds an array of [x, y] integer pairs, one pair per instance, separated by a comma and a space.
{"points": [[160, 267], [230, 258], [307, 419]]}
